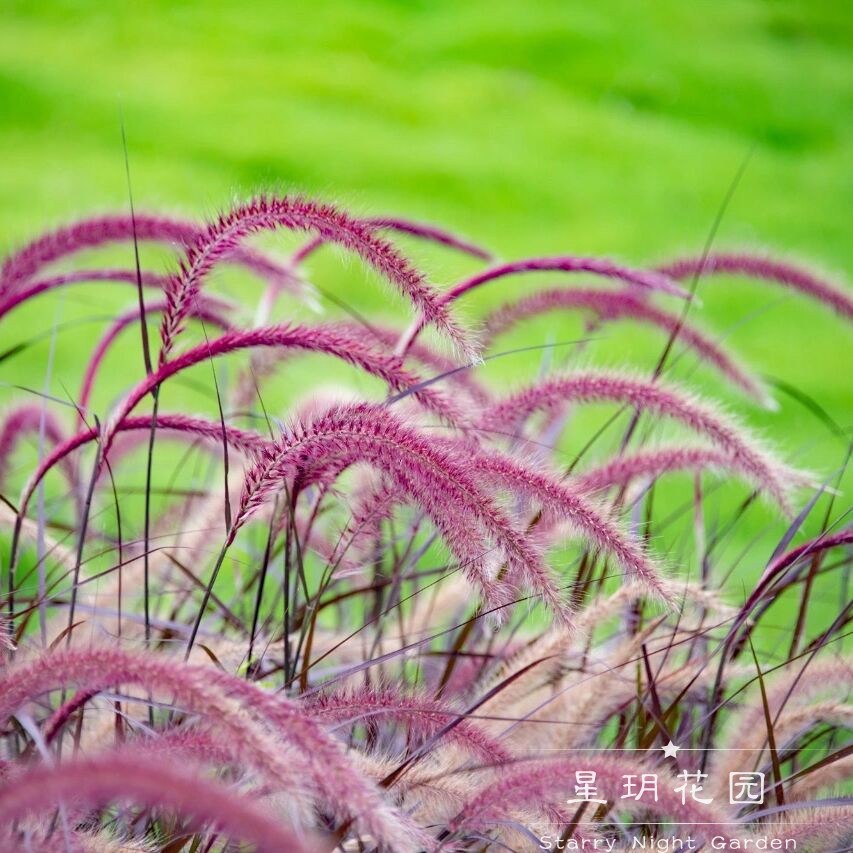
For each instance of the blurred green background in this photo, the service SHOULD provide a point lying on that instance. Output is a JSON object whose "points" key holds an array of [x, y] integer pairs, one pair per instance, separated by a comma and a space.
{"points": [[610, 128]]}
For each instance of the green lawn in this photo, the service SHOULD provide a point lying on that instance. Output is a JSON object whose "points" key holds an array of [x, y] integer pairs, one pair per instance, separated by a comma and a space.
{"points": [[550, 127]]}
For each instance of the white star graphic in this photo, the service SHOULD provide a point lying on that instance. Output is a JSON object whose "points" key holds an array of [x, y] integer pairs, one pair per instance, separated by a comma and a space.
{"points": [[670, 750]]}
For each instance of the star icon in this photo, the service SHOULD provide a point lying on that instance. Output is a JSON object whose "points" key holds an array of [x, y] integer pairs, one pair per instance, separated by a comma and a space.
{"points": [[670, 750]]}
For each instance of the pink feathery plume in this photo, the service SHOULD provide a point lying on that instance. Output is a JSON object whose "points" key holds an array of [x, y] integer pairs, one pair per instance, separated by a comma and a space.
{"points": [[440, 364], [370, 507], [625, 305], [318, 339], [437, 480], [645, 279], [430, 233], [243, 440], [102, 230], [323, 339], [207, 690], [151, 782], [768, 269], [182, 742], [191, 741], [57, 720], [621, 470], [87, 234], [379, 343], [27, 420], [531, 784], [568, 502], [32, 289], [207, 310], [422, 716], [269, 212], [815, 546], [656, 398], [782, 562], [818, 830]]}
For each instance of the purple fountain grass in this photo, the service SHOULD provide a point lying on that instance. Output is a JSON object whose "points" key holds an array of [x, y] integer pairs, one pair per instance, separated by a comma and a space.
{"points": [[370, 507], [430, 233], [815, 830], [437, 480], [60, 717], [653, 397], [644, 279], [206, 310], [269, 212], [778, 567], [790, 690], [329, 340], [371, 345], [96, 669], [626, 305], [151, 782], [655, 462], [421, 716], [27, 420], [32, 289], [210, 691], [566, 501], [532, 783], [92, 233], [179, 743], [243, 440], [88, 234], [815, 546], [350, 674], [769, 269], [451, 371]]}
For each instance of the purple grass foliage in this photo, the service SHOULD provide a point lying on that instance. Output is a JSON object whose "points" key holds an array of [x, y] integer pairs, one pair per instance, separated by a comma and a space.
{"points": [[438, 480], [45, 285], [644, 280], [328, 340], [321, 760], [419, 714], [767, 268], [26, 422], [207, 311], [94, 233], [145, 782], [655, 398], [381, 601], [626, 305], [429, 233], [266, 213], [655, 462], [571, 504]]}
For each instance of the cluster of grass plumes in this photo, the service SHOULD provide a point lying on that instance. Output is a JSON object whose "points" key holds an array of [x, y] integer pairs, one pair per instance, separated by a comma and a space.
{"points": [[405, 619]]}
